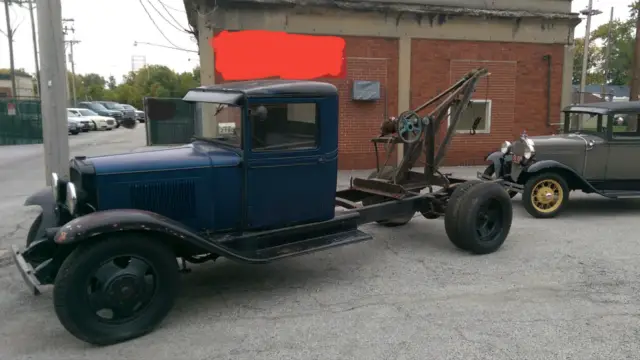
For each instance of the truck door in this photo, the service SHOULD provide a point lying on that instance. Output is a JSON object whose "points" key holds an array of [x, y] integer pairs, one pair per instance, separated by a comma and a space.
{"points": [[291, 176]]}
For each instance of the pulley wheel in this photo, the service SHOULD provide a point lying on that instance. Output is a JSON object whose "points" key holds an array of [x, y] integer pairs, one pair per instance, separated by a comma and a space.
{"points": [[409, 127]]}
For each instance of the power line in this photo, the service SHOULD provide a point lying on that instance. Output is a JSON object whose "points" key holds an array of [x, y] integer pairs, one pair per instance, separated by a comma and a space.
{"points": [[172, 8], [173, 18], [156, 25], [165, 19]]}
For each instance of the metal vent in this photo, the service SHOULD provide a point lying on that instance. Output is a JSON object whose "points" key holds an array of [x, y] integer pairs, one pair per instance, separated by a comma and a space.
{"points": [[174, 199]]}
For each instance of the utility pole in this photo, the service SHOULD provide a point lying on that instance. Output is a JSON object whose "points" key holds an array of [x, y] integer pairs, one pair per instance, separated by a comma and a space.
{"points": [[66, 31], [605, 82], [14, 88], [35, 45], [585, 56], [52, 83], [635, 79]]}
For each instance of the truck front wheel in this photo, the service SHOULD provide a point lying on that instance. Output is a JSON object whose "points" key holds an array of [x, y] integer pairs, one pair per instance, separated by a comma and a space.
{"points": [[115, 289]]}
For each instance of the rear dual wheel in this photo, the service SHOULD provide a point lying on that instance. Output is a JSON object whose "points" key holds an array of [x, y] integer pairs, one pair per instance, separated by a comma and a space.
{"points": [[478, 217]]}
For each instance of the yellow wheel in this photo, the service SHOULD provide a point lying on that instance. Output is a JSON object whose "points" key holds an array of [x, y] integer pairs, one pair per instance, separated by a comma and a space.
{"points": [[545, 195]]}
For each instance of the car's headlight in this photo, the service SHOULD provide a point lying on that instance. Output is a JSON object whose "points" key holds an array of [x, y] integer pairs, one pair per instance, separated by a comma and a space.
{"points": [[506, 146], [529, 149], [55, 180], [72, 198]]}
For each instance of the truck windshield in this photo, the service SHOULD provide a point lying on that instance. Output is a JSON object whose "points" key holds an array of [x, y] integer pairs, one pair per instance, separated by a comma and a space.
{"points": [[229, 119]]}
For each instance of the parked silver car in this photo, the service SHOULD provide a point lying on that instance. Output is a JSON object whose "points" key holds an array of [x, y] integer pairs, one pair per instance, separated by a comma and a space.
{"points": [[595, 154]]}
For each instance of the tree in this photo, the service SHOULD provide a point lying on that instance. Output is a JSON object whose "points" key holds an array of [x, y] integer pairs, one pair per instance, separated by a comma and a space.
{"points": [[111, 84], [18, 72], [621, 55], [592, 61]]}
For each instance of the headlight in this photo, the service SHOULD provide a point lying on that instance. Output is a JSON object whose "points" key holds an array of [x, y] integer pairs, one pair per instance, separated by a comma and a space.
{"points": [[55, 180], [506, 146], [529, 149], [72, 198]]}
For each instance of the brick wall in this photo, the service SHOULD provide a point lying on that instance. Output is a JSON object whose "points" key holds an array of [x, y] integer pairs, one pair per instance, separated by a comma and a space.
{"points": [[517, 88]]}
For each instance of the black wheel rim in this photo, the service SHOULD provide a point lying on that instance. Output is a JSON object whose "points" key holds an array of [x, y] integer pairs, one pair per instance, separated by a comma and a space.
{"points": [[121, 288], [489, 222]]}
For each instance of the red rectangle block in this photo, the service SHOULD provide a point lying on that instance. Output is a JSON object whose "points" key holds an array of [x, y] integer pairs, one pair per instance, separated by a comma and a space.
{"points": [[259, 54]]}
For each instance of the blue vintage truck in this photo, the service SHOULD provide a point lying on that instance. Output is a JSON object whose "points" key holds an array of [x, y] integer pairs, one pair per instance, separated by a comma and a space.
{"points": [[109, 237]]}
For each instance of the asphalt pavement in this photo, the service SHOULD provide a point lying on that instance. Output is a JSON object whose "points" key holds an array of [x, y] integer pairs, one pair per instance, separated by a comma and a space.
{"points": [[562, 288]]}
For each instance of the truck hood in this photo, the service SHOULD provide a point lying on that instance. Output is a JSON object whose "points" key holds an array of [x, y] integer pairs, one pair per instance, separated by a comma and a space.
{"points": [[183, 157]]}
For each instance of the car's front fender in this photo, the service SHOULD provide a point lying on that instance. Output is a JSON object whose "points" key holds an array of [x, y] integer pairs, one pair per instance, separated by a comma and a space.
{"points": [[497, 158], [552, 165], [44, 199]]}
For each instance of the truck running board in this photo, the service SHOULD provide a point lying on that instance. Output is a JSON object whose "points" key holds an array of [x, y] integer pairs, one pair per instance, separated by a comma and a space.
{"points": [[309, 245]]}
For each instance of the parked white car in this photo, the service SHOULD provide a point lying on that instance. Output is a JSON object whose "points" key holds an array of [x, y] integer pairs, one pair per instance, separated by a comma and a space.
{"points": [[98, 122], [82, 124]]}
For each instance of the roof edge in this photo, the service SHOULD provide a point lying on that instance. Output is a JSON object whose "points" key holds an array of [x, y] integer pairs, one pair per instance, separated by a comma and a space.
{"points": [[394, 7]]}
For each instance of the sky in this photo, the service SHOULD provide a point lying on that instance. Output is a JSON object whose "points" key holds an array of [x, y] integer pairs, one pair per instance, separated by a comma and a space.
{"points": [[107, 30]]}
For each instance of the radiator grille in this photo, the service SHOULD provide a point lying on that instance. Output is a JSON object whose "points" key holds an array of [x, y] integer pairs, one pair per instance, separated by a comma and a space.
{"points": [[174, 199]]}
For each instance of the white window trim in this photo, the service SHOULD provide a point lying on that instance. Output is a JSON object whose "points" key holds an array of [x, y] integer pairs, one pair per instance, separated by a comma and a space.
{"points": [[487, 116]]}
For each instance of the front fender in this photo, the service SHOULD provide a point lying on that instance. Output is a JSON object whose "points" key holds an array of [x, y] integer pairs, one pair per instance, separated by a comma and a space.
{"points": [[552, 165], [497, 158], [44, 199], [90, 226]]}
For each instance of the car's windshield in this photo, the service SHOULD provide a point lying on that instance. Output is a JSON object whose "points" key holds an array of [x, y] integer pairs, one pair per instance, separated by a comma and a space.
{"points": [[128, 107], [97, 107], [587, 123], [70, 114], [111, 106], [229, 119], [86, 112]]}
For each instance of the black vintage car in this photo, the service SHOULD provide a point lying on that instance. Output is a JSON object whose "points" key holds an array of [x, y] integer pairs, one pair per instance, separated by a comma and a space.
{"points": [[593, 154]]}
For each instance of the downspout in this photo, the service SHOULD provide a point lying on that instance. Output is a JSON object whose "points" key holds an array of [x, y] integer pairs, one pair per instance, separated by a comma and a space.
{"points": [[548, 59]]}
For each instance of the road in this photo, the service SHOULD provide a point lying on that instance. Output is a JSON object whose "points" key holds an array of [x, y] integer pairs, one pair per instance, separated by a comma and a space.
{"points": [[562, 288]]}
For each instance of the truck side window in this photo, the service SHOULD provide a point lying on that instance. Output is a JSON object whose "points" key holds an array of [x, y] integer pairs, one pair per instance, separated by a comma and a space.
{"points": [[283, 126]]}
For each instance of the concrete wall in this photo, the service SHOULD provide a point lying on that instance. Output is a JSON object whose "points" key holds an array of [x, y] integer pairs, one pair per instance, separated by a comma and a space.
{"points": [[396, 50]]}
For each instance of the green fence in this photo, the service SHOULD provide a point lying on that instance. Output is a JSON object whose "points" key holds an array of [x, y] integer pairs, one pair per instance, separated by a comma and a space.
{"points": [[170, 121], [20, 122]]}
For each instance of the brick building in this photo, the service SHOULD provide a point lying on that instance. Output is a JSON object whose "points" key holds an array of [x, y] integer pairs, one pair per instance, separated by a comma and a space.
{"points": [[417, 48]]}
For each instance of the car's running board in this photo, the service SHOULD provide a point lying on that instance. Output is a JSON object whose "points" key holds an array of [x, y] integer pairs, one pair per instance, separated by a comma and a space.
{"points": [[620, 194], [309, 245]]}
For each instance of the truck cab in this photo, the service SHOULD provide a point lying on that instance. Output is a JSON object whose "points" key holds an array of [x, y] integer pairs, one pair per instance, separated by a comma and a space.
{"points": [[286, 146]]}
